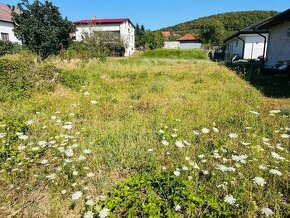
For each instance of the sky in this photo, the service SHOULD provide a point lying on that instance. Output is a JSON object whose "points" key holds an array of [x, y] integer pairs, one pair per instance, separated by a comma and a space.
{"points": [[156, 14]]}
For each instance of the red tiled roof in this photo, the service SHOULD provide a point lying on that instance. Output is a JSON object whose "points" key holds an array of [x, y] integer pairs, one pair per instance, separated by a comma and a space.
{"points": [[166, 34], [188, 37], [101, 21], [5, 13]]}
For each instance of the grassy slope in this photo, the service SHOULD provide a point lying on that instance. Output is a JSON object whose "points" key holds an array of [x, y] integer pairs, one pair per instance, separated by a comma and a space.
{"points": [[135, 98]]}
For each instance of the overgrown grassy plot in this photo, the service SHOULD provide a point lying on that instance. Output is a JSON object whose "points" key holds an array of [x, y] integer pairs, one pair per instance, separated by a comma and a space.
{"points": [[110, 126]]}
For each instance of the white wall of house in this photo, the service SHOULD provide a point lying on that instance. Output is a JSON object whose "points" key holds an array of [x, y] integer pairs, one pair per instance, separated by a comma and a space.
{"points": [[190, 45], [172, 45], [125, 29], [254, 45], [233, 47], [7, 27], [279, 44], [251, 49]]}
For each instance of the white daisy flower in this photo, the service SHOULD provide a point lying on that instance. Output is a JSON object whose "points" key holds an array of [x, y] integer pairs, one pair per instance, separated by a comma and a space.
{"points": [[233, 135], [63, 192], [205, 130], [174, 135], [93, 102], [51, 177], [259, 181], [262, 167], [225, 168], [161, 131], [67, 126], [87, 151], [230, 199], [76, 195], [194, 165], [177, 207], [104, 213], [82, 158], [285, 136], [195, 132], [275, 111], [277, 156], [240, 158], [267, 211], [2, 135], [185, 168], [245, 143], [90, 174], [176, 173], [165, 142], [90, 203], [275, 172], [179, 144], [69, 152], [89, 214], [44, 162], [216, 130], [23, 137]]}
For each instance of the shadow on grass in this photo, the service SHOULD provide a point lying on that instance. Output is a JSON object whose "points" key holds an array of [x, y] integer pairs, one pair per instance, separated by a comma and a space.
{"points": [[271, 83]]}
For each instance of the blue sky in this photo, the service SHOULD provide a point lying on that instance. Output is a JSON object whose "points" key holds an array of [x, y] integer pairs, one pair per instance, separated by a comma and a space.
{"points": [[156, 14]]}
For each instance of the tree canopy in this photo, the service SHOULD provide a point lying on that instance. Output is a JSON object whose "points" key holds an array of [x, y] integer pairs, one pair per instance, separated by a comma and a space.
{"points": [[41, 27]]}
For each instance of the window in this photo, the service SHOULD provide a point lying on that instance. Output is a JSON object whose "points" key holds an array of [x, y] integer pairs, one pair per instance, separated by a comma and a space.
{"points": [[5, 36], [288, 32]]}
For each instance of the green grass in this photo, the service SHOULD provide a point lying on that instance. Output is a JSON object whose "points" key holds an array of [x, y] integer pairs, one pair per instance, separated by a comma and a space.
{"points": [[117, 111], [188, 54]]}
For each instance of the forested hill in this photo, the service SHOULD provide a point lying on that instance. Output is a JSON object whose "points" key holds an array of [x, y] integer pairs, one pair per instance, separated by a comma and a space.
{"points": [[214, 29]]}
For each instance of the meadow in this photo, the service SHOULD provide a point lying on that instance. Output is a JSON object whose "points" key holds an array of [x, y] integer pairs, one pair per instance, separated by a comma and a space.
{"points": [[141, 137]]}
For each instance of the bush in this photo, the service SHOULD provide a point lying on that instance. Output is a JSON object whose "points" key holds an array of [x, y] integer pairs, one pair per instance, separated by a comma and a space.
{"points": [[72, 79], [176, 54], [9, 127], [9, 48], [165, 195], [18, 79]]}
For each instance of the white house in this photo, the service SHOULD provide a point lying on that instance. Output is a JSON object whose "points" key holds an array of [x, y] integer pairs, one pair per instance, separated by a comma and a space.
{"points": [[185, 42], [122, 28], [278, 51], [248, 43], [189, 42], [6, 24]]}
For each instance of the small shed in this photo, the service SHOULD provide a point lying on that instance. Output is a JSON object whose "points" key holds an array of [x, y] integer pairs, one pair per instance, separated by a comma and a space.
{"points": [[189, 42]]}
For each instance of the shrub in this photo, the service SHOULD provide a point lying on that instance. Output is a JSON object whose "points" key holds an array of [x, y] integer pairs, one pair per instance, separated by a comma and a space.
{"points": [[18, 79], [9, 48], [176, 54], [9, 127], [72, 79], [165, 195]]}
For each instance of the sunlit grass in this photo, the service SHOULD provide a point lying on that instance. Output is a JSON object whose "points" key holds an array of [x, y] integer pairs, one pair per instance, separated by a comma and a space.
{"points": [[117, 113]]}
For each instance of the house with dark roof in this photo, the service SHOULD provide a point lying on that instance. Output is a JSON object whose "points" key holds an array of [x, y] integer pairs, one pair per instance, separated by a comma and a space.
{"points": [[189, 42], [6, 24], [121, 28], [247, 44], [278, 49]]}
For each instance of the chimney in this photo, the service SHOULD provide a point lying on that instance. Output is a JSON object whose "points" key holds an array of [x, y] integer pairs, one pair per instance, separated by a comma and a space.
{"points": [[94, 18]]}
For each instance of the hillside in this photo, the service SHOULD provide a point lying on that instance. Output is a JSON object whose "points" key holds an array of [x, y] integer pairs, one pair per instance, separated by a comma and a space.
{"points": [[215, 28]]}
